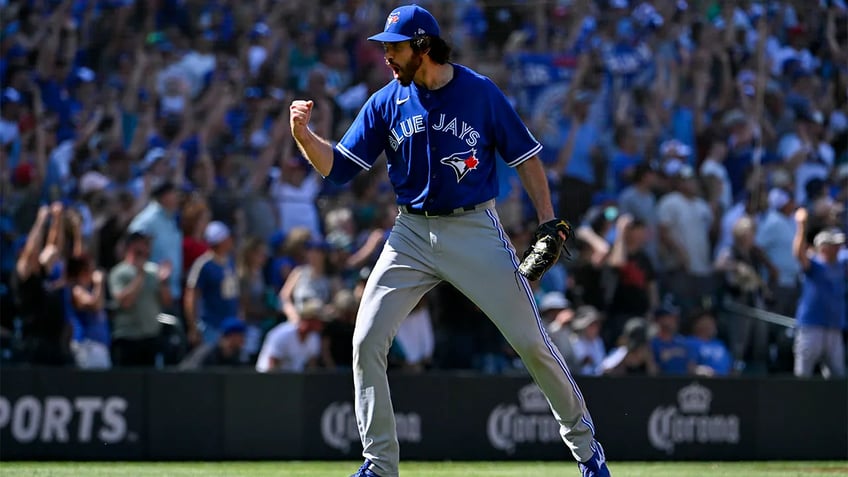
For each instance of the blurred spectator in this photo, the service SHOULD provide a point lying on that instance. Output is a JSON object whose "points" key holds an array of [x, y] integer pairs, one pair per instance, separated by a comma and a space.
{"points": [[684, 230], [212, 288], [226, 351], [774, 237], [337, 336], [256, 298], [576, 159], [289, 251], [40, 286], [158, 221], [194, 217], [295, 192], [294, 346], [712, 358], [634, 290], [672, 353], [120, 210], [141, 290], [10, 101], [633, 355], [415, 338], [806, 153], [87, 313], [557, 314], [749, 207], [307, 281], [715, 175], [587, 345], [638, 200], [822, 307], [626, 158], [743, 266]]}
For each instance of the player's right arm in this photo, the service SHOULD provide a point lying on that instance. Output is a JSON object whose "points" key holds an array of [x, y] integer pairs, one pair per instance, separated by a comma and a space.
{"points": [[314, 148], [363, 142]]}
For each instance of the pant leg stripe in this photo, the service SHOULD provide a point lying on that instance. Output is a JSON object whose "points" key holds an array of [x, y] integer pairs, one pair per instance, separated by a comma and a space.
{"points": [[545, 337]]}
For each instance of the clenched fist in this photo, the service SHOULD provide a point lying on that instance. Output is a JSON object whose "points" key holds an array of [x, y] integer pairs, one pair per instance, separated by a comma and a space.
{"points": [[299, 118], [801, 216]]}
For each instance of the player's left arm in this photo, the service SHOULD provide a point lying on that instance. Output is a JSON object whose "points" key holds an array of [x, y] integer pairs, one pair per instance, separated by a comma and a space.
{"points": [[535, 182]]}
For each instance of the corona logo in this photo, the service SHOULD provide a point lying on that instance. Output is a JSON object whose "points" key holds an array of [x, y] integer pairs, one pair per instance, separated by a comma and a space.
{"points": [[691, 422], [694, 399]]}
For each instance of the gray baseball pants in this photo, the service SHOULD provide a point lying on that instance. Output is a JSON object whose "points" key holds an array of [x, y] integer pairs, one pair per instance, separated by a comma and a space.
{"points": [[473, 253], [814, 344]]}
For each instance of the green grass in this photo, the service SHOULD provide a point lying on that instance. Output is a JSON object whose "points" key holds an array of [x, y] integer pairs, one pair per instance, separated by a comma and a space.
{"points": [[417, 469]]}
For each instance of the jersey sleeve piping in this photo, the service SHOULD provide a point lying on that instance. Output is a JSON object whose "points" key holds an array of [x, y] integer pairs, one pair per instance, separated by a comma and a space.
{"points": [[353, 157], [527, 155]]}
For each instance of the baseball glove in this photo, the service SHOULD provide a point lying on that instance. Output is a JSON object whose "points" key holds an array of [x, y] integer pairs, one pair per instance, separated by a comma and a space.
{"points": [[547, 245]]}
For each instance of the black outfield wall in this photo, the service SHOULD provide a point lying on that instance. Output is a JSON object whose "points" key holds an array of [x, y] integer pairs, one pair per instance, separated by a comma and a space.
{"points": [[139, 415]]}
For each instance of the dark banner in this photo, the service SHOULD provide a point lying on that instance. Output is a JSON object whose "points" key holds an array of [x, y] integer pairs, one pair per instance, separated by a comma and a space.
{"points": [[60, 414], [675, 418], [808, 421]]}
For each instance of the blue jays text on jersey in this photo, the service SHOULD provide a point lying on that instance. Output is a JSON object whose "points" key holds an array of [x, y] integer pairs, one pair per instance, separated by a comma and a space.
{"points": [[441, 144]]}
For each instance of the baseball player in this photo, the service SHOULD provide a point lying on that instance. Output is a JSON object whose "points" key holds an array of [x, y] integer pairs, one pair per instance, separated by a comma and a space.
{"points": [[441, 125]]}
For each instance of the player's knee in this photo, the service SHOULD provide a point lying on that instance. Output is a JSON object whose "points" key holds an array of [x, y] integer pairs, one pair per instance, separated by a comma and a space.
{"points": [[531, 349], [367, 345]]}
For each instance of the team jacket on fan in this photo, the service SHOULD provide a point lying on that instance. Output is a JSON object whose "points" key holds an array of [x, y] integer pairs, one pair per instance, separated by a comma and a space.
{"points": [[441, 145]]}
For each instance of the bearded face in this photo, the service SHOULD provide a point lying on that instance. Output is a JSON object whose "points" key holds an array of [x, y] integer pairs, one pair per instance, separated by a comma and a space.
{"points": [[403, 61]]}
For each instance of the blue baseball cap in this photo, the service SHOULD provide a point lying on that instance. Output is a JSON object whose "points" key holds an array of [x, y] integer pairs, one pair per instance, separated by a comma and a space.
{"points": [[232, 325], [406, 23]]}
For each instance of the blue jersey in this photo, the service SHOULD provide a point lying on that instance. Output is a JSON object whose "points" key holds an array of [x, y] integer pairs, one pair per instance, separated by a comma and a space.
{"points": [[822, 301], [674, 356], [712, 353], [441, 145], [217, 289]]}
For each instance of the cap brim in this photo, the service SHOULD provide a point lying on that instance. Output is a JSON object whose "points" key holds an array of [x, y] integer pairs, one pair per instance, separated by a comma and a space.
{"points": [[387, 37]]}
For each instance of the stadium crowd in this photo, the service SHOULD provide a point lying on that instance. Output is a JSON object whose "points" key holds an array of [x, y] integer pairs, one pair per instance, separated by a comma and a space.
{"points": [[155, 211]]}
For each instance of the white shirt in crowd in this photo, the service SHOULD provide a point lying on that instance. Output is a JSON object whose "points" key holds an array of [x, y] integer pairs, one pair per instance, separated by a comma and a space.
{"points": [[284, 345], [415, 336], [714, 168], [296, 205], [688, 221], [589, 354], [774, 236], [728, 220], [789, 145]]}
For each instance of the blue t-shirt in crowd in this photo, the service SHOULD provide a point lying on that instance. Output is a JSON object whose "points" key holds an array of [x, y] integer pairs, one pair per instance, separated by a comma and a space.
{"points": [[87, 325], [673, 356], [581, 165], [822, 300], [683, 125], [216, 288], [712, 353], [737, 164], [621, 162]]}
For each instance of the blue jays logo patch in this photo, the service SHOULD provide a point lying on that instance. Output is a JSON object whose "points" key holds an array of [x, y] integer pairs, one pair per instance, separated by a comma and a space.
{"points": [[394, 17], [462, 163]]}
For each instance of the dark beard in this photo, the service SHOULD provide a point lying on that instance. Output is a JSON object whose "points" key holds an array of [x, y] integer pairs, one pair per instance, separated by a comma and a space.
{"points": [[407, 73]]}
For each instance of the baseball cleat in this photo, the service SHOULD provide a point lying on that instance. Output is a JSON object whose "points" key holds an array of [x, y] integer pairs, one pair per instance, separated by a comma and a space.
{"points": [[596, 466], [365, 470]]}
